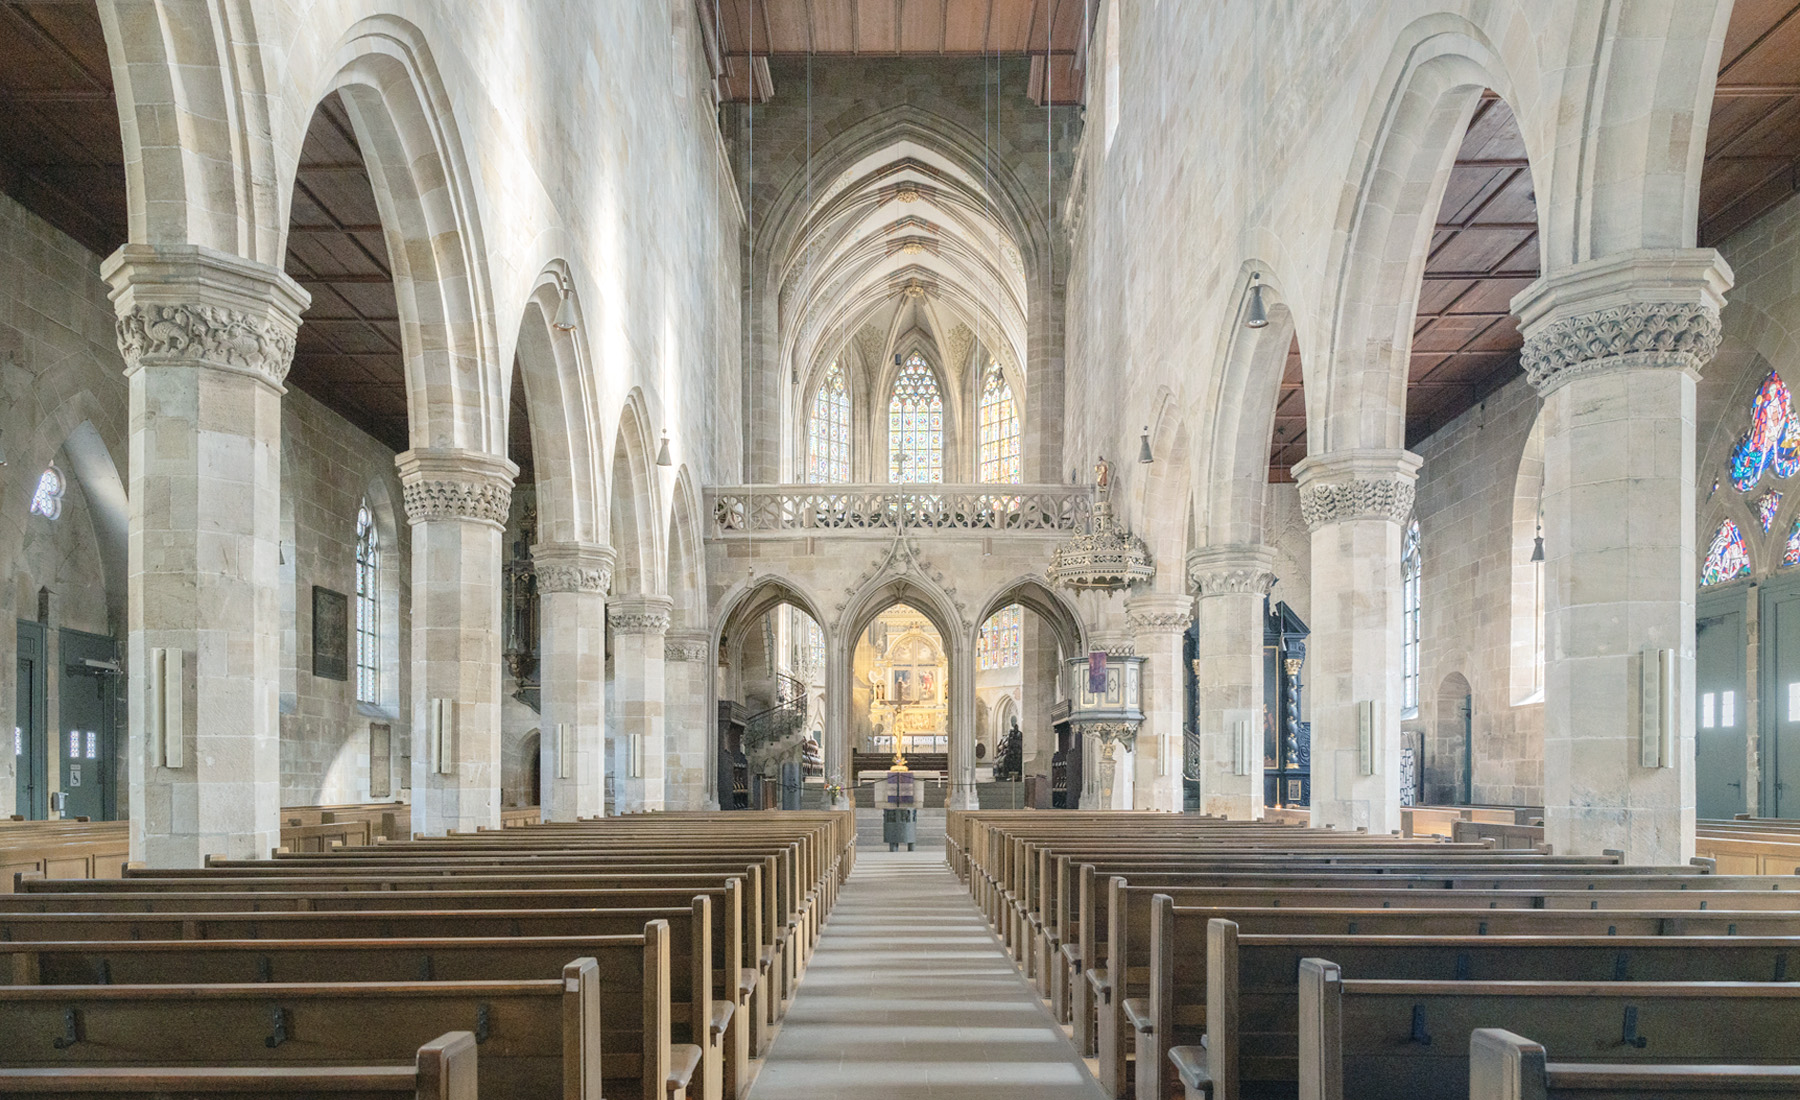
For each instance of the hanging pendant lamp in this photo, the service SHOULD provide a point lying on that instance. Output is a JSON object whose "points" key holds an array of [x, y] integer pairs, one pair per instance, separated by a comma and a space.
{"points": [[565, 314], [1256, 315]]}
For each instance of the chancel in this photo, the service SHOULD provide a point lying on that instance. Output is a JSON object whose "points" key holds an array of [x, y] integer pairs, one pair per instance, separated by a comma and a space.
{"points": [[773, 549]]}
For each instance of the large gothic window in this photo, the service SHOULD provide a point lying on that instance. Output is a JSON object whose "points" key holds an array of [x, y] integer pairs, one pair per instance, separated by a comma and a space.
{"points": [[1000, 638], [999, 431], [828, 430], [916, 424], [1411, 565], [368, 607]]}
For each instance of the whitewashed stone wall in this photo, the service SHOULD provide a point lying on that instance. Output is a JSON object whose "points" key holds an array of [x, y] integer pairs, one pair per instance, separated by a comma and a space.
{"points": [[329, 468], [1470, 547]]}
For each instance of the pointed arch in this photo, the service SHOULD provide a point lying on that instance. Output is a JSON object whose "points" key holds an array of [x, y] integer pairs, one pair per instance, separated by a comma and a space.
{"points": [[404, 123], [1234, 456], [686, 584], [1434, 78], [635, 511], [567, 454], [1031, 593]]}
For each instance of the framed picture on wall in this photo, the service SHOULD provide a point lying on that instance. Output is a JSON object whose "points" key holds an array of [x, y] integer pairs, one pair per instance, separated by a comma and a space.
{"points": [[331, 634]]}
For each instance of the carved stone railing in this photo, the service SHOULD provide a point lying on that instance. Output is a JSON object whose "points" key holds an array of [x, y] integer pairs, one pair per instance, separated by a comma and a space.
{"points": [[863, 509]]}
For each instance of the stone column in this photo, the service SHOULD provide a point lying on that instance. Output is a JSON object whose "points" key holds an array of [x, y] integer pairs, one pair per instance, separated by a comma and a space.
{"points": [[1615, 346], [962, 794], [1158, 622], [207, 340], [639, 746], [1355, 503], [688, 699], [572, 580], [1232, 583], [1039, 669], [456, 501]]}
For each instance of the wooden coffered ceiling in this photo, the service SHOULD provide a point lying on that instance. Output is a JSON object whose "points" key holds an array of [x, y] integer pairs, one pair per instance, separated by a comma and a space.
{"points": [[1753, 138], [1483, 251], [348, 354], [61, 155], [747, 30]]}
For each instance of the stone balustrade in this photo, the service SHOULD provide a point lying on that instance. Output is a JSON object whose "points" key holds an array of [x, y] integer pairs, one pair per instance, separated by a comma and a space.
{"points": [[815, 510]]}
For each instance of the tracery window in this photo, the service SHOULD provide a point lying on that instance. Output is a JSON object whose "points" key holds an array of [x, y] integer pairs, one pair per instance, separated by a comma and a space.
{"points": [[828, 430], [1411, 565], [1727, 558], [998, 436], [368, 607], [1766, 506], [999, 647], [916, 424], [1773, 442], [47, 501]]}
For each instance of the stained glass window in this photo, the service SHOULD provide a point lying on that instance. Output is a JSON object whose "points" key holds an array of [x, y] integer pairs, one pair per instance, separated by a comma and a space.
{"points": [[1411, 565], [999, 431], [1727, 558], [1773, 442], [1766, 507], [916, 424], [828, 430], [1791, 554], [47, 501], [1000, 638], [368, 607]]}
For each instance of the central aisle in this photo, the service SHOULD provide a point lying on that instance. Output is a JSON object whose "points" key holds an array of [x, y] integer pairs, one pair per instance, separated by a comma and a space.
{"points": [[909, 995]]}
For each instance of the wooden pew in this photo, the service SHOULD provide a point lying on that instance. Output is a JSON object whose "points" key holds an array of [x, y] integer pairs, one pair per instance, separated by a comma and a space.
{"points": [[64, 849], [705, 937], [1119, 974], [541, 1037], [1387, 1038], [1241, 991], [1505, 1066], [447, 1068]]}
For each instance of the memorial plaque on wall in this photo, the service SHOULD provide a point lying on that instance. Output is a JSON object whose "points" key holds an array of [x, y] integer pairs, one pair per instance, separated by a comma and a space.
{"points": [[331, 635]]}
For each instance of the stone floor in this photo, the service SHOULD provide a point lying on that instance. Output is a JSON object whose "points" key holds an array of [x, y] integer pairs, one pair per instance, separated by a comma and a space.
{"points": [[909, 995]]}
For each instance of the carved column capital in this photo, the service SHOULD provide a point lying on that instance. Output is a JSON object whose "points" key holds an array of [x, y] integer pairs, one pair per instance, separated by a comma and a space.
{"points": [[191, 306], [573, 566], [687, 645], [1654, 309], [1159, 613], [1356, 485], [443, 483], [640, 614], [1231, 570]]}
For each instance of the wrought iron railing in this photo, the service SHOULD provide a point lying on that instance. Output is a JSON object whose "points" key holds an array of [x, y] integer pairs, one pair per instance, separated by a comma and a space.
{"points": [[851, 509]]}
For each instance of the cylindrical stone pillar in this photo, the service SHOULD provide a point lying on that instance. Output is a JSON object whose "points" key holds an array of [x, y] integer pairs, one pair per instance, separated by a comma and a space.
{"points": [[1232, 584], [207, 340], [639, 746], [1355, 503], [1615, 346], [572, 581], [1158, 623], [456, 501]]}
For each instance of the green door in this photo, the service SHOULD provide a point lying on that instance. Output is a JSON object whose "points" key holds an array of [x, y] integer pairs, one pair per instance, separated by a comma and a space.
{"points": [[86, 705], [31, 755], [1721, 732], [1779, 724]]}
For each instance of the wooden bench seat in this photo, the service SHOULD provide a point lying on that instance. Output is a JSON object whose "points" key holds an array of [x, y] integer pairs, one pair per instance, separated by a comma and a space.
{"points": [[1241, 991], [1387, 1038], [1505, 1066], [444, 1069], [539, 1038]]}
